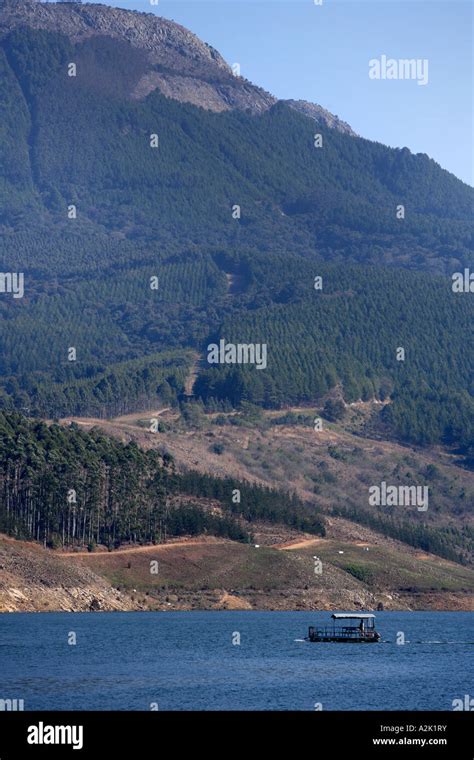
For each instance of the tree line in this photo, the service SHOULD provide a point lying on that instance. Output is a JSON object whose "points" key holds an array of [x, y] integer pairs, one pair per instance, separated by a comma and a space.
{"points": [[64, 486]]}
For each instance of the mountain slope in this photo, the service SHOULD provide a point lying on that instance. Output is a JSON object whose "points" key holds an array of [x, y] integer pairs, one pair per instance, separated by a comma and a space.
{"points": [[171, 59], [82, 140], [91, 212]]}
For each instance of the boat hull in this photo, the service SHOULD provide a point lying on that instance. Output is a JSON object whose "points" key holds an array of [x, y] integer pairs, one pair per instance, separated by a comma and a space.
{"points": [[345, 639], [343, 635]]}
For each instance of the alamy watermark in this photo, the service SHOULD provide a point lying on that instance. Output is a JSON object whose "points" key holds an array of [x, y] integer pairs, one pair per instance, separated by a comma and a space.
{"points": [[463, 282], [463, 704], [46, 734], [12, 282], [399, 68], [237, 353], [12, 705], [399, 496]]}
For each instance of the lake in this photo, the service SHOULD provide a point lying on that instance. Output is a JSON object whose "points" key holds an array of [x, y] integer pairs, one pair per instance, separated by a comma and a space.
{"points": [[193, 661]]}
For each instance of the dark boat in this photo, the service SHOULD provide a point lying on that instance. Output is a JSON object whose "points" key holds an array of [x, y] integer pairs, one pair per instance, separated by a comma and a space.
{"points": [[363, 633]]}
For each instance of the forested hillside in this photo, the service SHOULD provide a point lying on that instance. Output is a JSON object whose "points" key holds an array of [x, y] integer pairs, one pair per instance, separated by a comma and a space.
{"points": [[65, 487], [80, 140], [135, 256]]}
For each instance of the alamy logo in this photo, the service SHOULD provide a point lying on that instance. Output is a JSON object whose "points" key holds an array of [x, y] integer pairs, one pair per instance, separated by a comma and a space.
{"points": [[12, 282], [237, 353], [463, 282], [399, 496], [463, 704], [42, 734], [401, 68], [11, 705]]}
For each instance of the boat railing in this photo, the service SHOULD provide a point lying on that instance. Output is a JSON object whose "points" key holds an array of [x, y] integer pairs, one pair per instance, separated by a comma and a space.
{"points": [[345, 632]]}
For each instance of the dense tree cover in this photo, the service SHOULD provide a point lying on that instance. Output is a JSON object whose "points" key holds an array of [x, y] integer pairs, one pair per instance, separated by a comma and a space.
{"points": [[165, 213], [334, 410], [349, 333], [450, 543], [192, 520], [433, 413], [64, 486], [254, 502], [97, 390]]}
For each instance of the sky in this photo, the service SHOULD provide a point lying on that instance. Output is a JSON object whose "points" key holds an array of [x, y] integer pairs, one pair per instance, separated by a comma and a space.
{"points": [[321, 53]]}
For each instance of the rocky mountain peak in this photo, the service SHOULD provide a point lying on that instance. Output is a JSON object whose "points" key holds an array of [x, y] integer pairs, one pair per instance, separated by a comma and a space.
{"points": [[178, 63]]}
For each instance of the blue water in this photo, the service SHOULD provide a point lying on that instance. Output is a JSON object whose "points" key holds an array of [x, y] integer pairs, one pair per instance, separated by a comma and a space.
{"points": [[187, 661]]}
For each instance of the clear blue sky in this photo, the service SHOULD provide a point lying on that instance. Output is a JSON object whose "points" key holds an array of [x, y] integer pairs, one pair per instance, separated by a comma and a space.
{"points": [[296, 49]]}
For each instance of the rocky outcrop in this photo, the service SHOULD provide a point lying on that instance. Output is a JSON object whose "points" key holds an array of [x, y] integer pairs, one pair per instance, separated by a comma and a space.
{"points": [[180, 65], [166, 42], [321, 116], [177, 62]]}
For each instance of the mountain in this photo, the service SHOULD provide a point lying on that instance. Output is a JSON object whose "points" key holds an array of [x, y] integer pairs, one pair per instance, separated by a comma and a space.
{"points": [[232, 215], [153, 205], [240, 143], [166, 56], [172, 60], [175, 62]]}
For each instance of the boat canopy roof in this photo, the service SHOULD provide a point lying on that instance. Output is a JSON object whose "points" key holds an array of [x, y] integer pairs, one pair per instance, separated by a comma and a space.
{"points": [[351, 616]]}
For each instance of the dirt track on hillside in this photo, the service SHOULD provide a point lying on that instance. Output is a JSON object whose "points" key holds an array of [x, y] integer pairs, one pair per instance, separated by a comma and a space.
{"points": [[144, 549]]}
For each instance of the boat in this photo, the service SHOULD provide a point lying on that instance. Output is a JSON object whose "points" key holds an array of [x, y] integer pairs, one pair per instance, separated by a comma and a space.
{"points": [[363, 632]]}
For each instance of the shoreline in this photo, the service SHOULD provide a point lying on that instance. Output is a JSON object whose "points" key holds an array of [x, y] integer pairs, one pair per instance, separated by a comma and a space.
{"points": [[239, 602], [208, 574]]}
